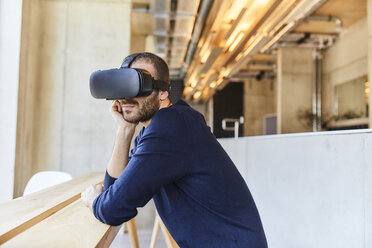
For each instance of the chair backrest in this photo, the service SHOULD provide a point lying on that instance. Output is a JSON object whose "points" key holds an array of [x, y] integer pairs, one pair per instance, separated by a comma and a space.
{"points": [[45, 179]]}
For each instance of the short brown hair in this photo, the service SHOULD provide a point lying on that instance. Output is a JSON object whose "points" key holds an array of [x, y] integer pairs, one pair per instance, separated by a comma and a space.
{"points": [[161, 67]]}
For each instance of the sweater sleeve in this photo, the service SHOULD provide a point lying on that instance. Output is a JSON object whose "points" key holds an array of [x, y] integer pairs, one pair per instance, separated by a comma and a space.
{"points": [[160, 159], [108, 181]]}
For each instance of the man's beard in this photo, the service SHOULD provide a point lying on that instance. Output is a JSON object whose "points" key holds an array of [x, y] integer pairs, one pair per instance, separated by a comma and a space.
{"points": [[145, 111]]}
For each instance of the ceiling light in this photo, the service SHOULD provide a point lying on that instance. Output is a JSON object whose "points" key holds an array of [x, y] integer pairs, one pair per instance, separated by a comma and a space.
{"points": [[262, 2], [277, 36], [188, 90], [235, 10], [197, 95], [231, 39], [236, 42], [219, 81], [239, 56], [205, 56]]}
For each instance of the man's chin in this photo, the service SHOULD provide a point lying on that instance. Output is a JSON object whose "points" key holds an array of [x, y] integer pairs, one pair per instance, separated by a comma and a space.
{"points": [[131, 118]]}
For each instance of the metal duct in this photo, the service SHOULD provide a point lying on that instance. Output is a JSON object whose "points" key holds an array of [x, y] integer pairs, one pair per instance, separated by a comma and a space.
{"points": [[173, 22], [326, 19], [202, 16]]}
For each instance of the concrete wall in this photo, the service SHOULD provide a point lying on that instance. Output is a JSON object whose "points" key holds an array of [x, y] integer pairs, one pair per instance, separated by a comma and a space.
{"points": [[61, 127], [346, 60], [351, 97], [312, 190], [259, 100], [10, 40], [296, 77]]}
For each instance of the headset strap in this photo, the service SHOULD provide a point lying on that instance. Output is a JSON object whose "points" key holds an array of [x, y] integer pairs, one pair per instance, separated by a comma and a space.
{"points": [[161, 85], [158, 84], [128, 60]]}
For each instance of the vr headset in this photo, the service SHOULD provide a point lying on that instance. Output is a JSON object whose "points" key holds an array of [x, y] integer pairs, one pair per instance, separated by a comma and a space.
{"points": [[125, 82]]}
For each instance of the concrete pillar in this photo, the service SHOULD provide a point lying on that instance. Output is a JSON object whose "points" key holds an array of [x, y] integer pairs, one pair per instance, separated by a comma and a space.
{"points": [[369, 19], [259, 100], [142, 43], [295, 88], [61, 126], [137, 43], [10, 40], [368, 174], [150, 44]]}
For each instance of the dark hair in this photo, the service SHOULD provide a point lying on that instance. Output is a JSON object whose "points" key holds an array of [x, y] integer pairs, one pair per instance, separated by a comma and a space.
{"points": [[161, 67]]}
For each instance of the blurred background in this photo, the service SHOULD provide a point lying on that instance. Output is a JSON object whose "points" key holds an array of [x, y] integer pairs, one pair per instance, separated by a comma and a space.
{"points": [[251, 67]]}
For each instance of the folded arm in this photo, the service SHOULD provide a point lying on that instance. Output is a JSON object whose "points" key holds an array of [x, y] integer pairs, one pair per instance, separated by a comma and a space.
{"points": [[159, 160]]}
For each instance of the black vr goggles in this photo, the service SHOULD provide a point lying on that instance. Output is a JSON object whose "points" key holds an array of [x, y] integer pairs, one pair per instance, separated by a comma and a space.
{"points": [[124, 82]]}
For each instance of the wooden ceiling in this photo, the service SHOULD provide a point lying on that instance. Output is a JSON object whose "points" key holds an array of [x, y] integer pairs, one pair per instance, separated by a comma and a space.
{"points": [[141, 22], [169, 23], [348, 11]]}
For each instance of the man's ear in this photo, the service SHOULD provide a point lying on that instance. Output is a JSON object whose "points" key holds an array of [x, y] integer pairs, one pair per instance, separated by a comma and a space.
{"points": [[163, 95]]}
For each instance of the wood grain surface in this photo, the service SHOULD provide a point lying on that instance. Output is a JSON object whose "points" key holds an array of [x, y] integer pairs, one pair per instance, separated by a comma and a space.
{"points": [[24, 212], [73, 226]]}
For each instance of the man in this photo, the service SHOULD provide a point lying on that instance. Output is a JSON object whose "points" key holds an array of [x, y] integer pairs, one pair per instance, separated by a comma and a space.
{"points": [[198, 192]]}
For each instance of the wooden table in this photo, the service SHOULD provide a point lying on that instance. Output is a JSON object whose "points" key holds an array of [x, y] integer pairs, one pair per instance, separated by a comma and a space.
{"points": [[56, 217]]}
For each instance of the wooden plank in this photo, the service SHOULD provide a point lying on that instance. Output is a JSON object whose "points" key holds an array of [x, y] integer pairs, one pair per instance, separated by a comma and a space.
{"points": [[264, 58], [73, 226], [348, 11], [24, 212], [141, 2], [317, 27], [141, 23]]}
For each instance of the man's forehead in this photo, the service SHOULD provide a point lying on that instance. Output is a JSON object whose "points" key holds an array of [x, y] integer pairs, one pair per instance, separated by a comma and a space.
{"points": [[142, 64]]}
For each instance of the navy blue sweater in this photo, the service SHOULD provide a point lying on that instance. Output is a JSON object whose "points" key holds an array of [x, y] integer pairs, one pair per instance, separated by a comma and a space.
{"points": [[198, 192]]}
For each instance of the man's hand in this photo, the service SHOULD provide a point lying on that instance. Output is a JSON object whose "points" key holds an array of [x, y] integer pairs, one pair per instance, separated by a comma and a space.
{"points": [[90, 194], [124, 135], [117, 113]]}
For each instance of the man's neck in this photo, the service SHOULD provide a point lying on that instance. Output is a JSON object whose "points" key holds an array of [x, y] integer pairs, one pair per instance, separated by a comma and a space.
{"points": [[163, 104]]}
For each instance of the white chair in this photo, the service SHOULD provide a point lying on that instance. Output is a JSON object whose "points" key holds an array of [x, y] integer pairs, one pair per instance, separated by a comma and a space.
{"points": [[45, 179]]}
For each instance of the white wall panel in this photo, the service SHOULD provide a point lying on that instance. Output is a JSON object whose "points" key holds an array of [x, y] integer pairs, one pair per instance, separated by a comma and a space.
{"points": [[312, 190]]}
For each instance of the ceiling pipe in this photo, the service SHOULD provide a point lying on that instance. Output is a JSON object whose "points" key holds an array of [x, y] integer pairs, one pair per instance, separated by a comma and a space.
{"points": [[296, 16], [318, 41], [202, 16], [326, 19], [303, 39]]}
